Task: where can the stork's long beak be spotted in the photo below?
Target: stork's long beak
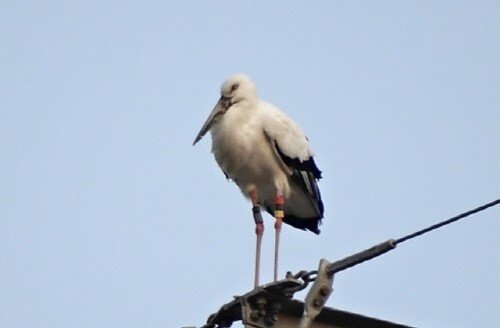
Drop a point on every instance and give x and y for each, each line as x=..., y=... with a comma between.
x=220, y=108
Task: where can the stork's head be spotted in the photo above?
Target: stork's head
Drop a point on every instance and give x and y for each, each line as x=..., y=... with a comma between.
x=236, y=89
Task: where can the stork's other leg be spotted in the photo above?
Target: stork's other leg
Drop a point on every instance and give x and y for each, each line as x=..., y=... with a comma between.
x=279, y=214
x=259, y=231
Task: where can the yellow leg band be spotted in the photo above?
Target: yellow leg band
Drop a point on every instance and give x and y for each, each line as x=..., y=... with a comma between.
x=279, y=214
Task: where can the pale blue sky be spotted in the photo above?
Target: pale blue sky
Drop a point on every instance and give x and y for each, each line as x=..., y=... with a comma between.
x=109, y=218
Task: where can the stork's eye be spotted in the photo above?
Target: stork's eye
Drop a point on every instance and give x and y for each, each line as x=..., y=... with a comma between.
x=234, y=87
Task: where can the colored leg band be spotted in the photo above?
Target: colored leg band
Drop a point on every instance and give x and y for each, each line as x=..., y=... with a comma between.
x=278, y=207
x=257, y=216
x=279, y=213
x=279, y=200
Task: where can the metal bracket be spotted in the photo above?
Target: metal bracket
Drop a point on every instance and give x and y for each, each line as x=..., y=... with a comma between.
x=322, y=287
x=260, y=307
x=317, y=295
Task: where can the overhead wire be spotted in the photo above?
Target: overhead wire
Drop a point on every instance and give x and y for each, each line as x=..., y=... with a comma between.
x=446, y=222
x=389, y=245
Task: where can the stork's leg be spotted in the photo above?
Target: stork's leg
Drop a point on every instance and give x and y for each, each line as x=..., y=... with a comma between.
x=259, y=231
x=279, y=214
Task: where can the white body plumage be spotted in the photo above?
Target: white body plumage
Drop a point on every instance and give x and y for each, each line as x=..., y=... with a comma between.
x=260, y=148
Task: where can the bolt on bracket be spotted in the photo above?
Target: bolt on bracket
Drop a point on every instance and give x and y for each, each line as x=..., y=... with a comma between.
x=317, y=295
x=260, y=307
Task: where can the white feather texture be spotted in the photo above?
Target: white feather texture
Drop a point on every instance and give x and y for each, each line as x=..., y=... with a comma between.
x=254, y=143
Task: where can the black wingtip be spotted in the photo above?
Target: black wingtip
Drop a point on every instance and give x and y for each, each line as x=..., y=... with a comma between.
x=310, y=224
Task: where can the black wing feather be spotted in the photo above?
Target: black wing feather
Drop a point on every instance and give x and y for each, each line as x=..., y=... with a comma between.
x=305, y=174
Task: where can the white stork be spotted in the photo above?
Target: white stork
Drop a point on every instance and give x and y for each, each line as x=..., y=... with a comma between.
x=268, y=156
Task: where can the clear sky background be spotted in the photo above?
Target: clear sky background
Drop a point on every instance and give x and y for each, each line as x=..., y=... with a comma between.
x=110, y=218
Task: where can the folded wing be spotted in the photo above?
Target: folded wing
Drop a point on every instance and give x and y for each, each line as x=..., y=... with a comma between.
x=304, y=209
